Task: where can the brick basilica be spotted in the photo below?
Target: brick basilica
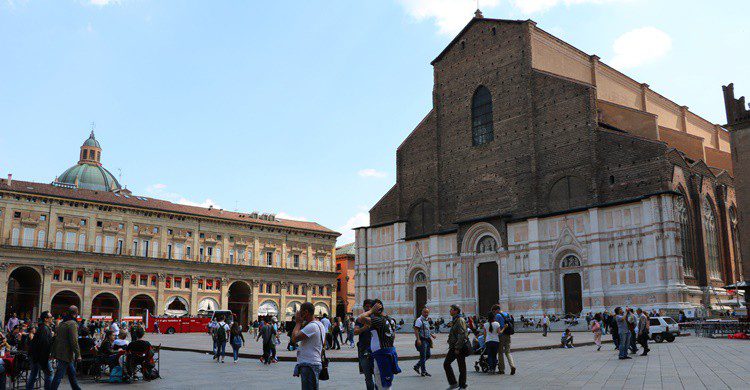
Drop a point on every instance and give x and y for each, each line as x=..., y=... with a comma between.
x=84, y=240
x=550, y=182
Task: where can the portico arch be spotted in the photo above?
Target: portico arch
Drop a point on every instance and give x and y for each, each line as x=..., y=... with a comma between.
x=105, y=304
x=177, y=306
x=473, y=236
x=140, y=304
x=24, y=293
x=239, y=301
x=63, y=300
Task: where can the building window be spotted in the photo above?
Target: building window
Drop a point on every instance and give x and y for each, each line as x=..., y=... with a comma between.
x=68, y=276
x=83, y=222
x=338, y=285
x=735, y=237
x=269, y=258
x=79, y=276
x=99, y=224
x=60, y=219
x=133, y=279
x=42, y=217
x=96, y=277
x=421, y=219
x=56, y=276
x=686, y=236
x=153, y=281
x=107, y=278
x=268, y=288
x=118, y=279
x=481, y=117
x=296, y=261
x=144, y=280
x=486, y=244
x=295, y=288
x=712, y=240
x=169, y=251
x=17, y=214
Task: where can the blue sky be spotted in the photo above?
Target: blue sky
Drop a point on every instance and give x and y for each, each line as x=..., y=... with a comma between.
x=297, y=107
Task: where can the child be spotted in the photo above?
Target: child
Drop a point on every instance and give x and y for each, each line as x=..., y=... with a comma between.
x=567, y=339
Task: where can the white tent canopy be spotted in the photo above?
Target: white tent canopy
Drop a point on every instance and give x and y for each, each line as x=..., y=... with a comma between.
x=268, y=308
x=292, y=309
x=320, y=309
x=208, y=304
x=177, y=309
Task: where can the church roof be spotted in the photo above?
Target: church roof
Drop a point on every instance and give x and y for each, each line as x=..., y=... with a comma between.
x=347, y=249
x=89, y=176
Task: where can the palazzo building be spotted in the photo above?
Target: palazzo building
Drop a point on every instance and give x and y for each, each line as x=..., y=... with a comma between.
x=84, y=240
x=345, y=282
x=547, y=181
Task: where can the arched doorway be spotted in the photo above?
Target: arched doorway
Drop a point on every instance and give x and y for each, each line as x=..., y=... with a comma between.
x=105, y=304
x=573, y=297
x=176, y=306
x=239, y=302
x=268, y=309
x=420, y=292
x=140, y=304
x=488, y=288
x=24, y=290
x=62, y=301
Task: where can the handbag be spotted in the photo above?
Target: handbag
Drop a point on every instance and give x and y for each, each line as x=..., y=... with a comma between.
x=323, y=360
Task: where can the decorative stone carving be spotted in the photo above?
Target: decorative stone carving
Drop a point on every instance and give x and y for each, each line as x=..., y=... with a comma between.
x=47, y=268
x=161, y=276
x=88, y=271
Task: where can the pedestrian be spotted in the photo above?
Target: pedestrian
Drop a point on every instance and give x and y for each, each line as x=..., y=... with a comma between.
x=458, y=349
x=65, y=349
x=156, y=327
x=256, y=325
x=491, y=341
x=335, y=334
x=545, y=325
x=350, y=332
x=566, y=340
x=342, y=329
x=596, y=329
x=423, y=342
x=220, y=335
x=309, y=333
x=236, y=339
x=614, y=330
x=13, y=321
x=632, y=323
x=211, y=332
x=115, y=328
x=364, y=354
x=589, y=317
x=623, y=332
x=267, y=334
x=507, y=328
x=643, y=325
x=327, y=324
x=39, y=351
x=383, y=334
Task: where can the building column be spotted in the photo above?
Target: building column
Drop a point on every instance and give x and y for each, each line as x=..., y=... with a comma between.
x=256, y=252
x=284, y=286
x=310, y=259
x=334, y=304
x=45, y=297
x=125, y=294
x=86, y=301
x=224, y=293
x=3, y=289
x=128, y=246
x=254, y=298
x=308, y=292
x=194, y=295
x=644, y=96
x=161, y=298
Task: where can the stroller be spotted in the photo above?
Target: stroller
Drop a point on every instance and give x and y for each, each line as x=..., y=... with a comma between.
x=481, y=365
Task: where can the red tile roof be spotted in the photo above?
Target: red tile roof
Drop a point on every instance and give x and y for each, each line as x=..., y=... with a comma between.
x=152, y=204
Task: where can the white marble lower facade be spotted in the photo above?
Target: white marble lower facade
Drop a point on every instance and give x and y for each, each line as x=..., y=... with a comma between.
x=628, y=254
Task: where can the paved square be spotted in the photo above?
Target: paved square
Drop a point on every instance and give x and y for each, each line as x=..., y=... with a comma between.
x=688, y=363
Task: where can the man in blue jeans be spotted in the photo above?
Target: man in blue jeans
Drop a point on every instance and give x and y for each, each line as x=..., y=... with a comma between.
x=623, y=331
x=39, y=351
x=309, y=333
x=423, y=341
x=65, y=349
x=366, y=364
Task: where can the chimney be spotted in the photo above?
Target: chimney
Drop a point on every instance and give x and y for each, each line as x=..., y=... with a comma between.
x=10, y=179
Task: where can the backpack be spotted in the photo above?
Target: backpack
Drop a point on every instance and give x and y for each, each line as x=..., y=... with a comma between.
x=511, y=326
x=115, y=376
x=221, y=334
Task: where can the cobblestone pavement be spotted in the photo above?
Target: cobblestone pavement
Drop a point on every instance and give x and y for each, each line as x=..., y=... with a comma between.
x=689, y=362
x=404, y=343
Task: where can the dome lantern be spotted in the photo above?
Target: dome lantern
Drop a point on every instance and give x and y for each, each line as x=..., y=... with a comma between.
x=91, y=151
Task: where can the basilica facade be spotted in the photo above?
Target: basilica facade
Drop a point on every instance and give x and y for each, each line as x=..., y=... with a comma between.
x=85, y=240
x=549, y=182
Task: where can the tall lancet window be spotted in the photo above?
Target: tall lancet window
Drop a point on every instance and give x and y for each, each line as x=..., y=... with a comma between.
x=481, y=117
x=686, y=236
x=712, y=240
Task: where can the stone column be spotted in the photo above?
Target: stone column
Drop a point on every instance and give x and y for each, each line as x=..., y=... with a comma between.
x=3, y=289
x=87, y=301
x=46, y=293
x=308, y=292
x=282, y=300
x=6, y=229
x=163, y=242
x=128, y=247
x=125, y=300
x=161, y=298
x=224, y=293
x=284, y=254
x=224, y=249
x=254, y=299
x=309, y=261
x=194, y=251
x=194, y=295
x=644, y=96
x=333, y=300
x=256, y=251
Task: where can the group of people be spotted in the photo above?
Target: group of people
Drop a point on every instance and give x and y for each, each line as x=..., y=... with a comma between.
x=628, y=327
x=55, y=347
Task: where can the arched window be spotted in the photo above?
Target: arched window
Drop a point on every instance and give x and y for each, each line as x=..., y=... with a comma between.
x=40, y=239
x=481, y=117
x=570, y=261
x=686, y=236
x=712, y=240
x=486, y=244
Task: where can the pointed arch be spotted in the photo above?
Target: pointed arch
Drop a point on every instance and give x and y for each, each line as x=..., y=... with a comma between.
x=482, y=130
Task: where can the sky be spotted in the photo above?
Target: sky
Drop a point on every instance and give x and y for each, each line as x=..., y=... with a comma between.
x=297, y=107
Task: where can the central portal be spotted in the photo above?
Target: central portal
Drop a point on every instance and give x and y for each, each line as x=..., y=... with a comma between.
x=487, y=287
x=420, y=301
x=573, y=297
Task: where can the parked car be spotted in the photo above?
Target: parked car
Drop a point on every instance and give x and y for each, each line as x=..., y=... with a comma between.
x=663, y=328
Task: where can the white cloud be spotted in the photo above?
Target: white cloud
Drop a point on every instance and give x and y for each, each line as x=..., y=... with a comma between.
x=160, y=191
x=451, y=16
x=640, y=46
x=103, y=3
x=360, y=219
x=369, y=172
x=284, y=215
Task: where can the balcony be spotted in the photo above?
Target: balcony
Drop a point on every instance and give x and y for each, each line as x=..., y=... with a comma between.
x=110, y=229
x=29, y=221
x=71, y=225
x=147, y=233
x=243, y=242
x=210, y=240
x=179, y=237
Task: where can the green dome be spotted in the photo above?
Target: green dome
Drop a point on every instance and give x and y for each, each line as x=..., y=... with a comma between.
x=91, y=141
x=89, y=176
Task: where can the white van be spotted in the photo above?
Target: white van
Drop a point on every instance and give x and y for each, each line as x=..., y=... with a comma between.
x=663, y=328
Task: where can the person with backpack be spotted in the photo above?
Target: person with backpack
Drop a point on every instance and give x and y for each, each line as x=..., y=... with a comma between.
x=236, y=339
x=491, y=341
x=507, y=329
x=220, y=335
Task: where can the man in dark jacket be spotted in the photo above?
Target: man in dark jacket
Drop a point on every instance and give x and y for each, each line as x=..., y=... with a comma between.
x=65, y=349
x=39, y=352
